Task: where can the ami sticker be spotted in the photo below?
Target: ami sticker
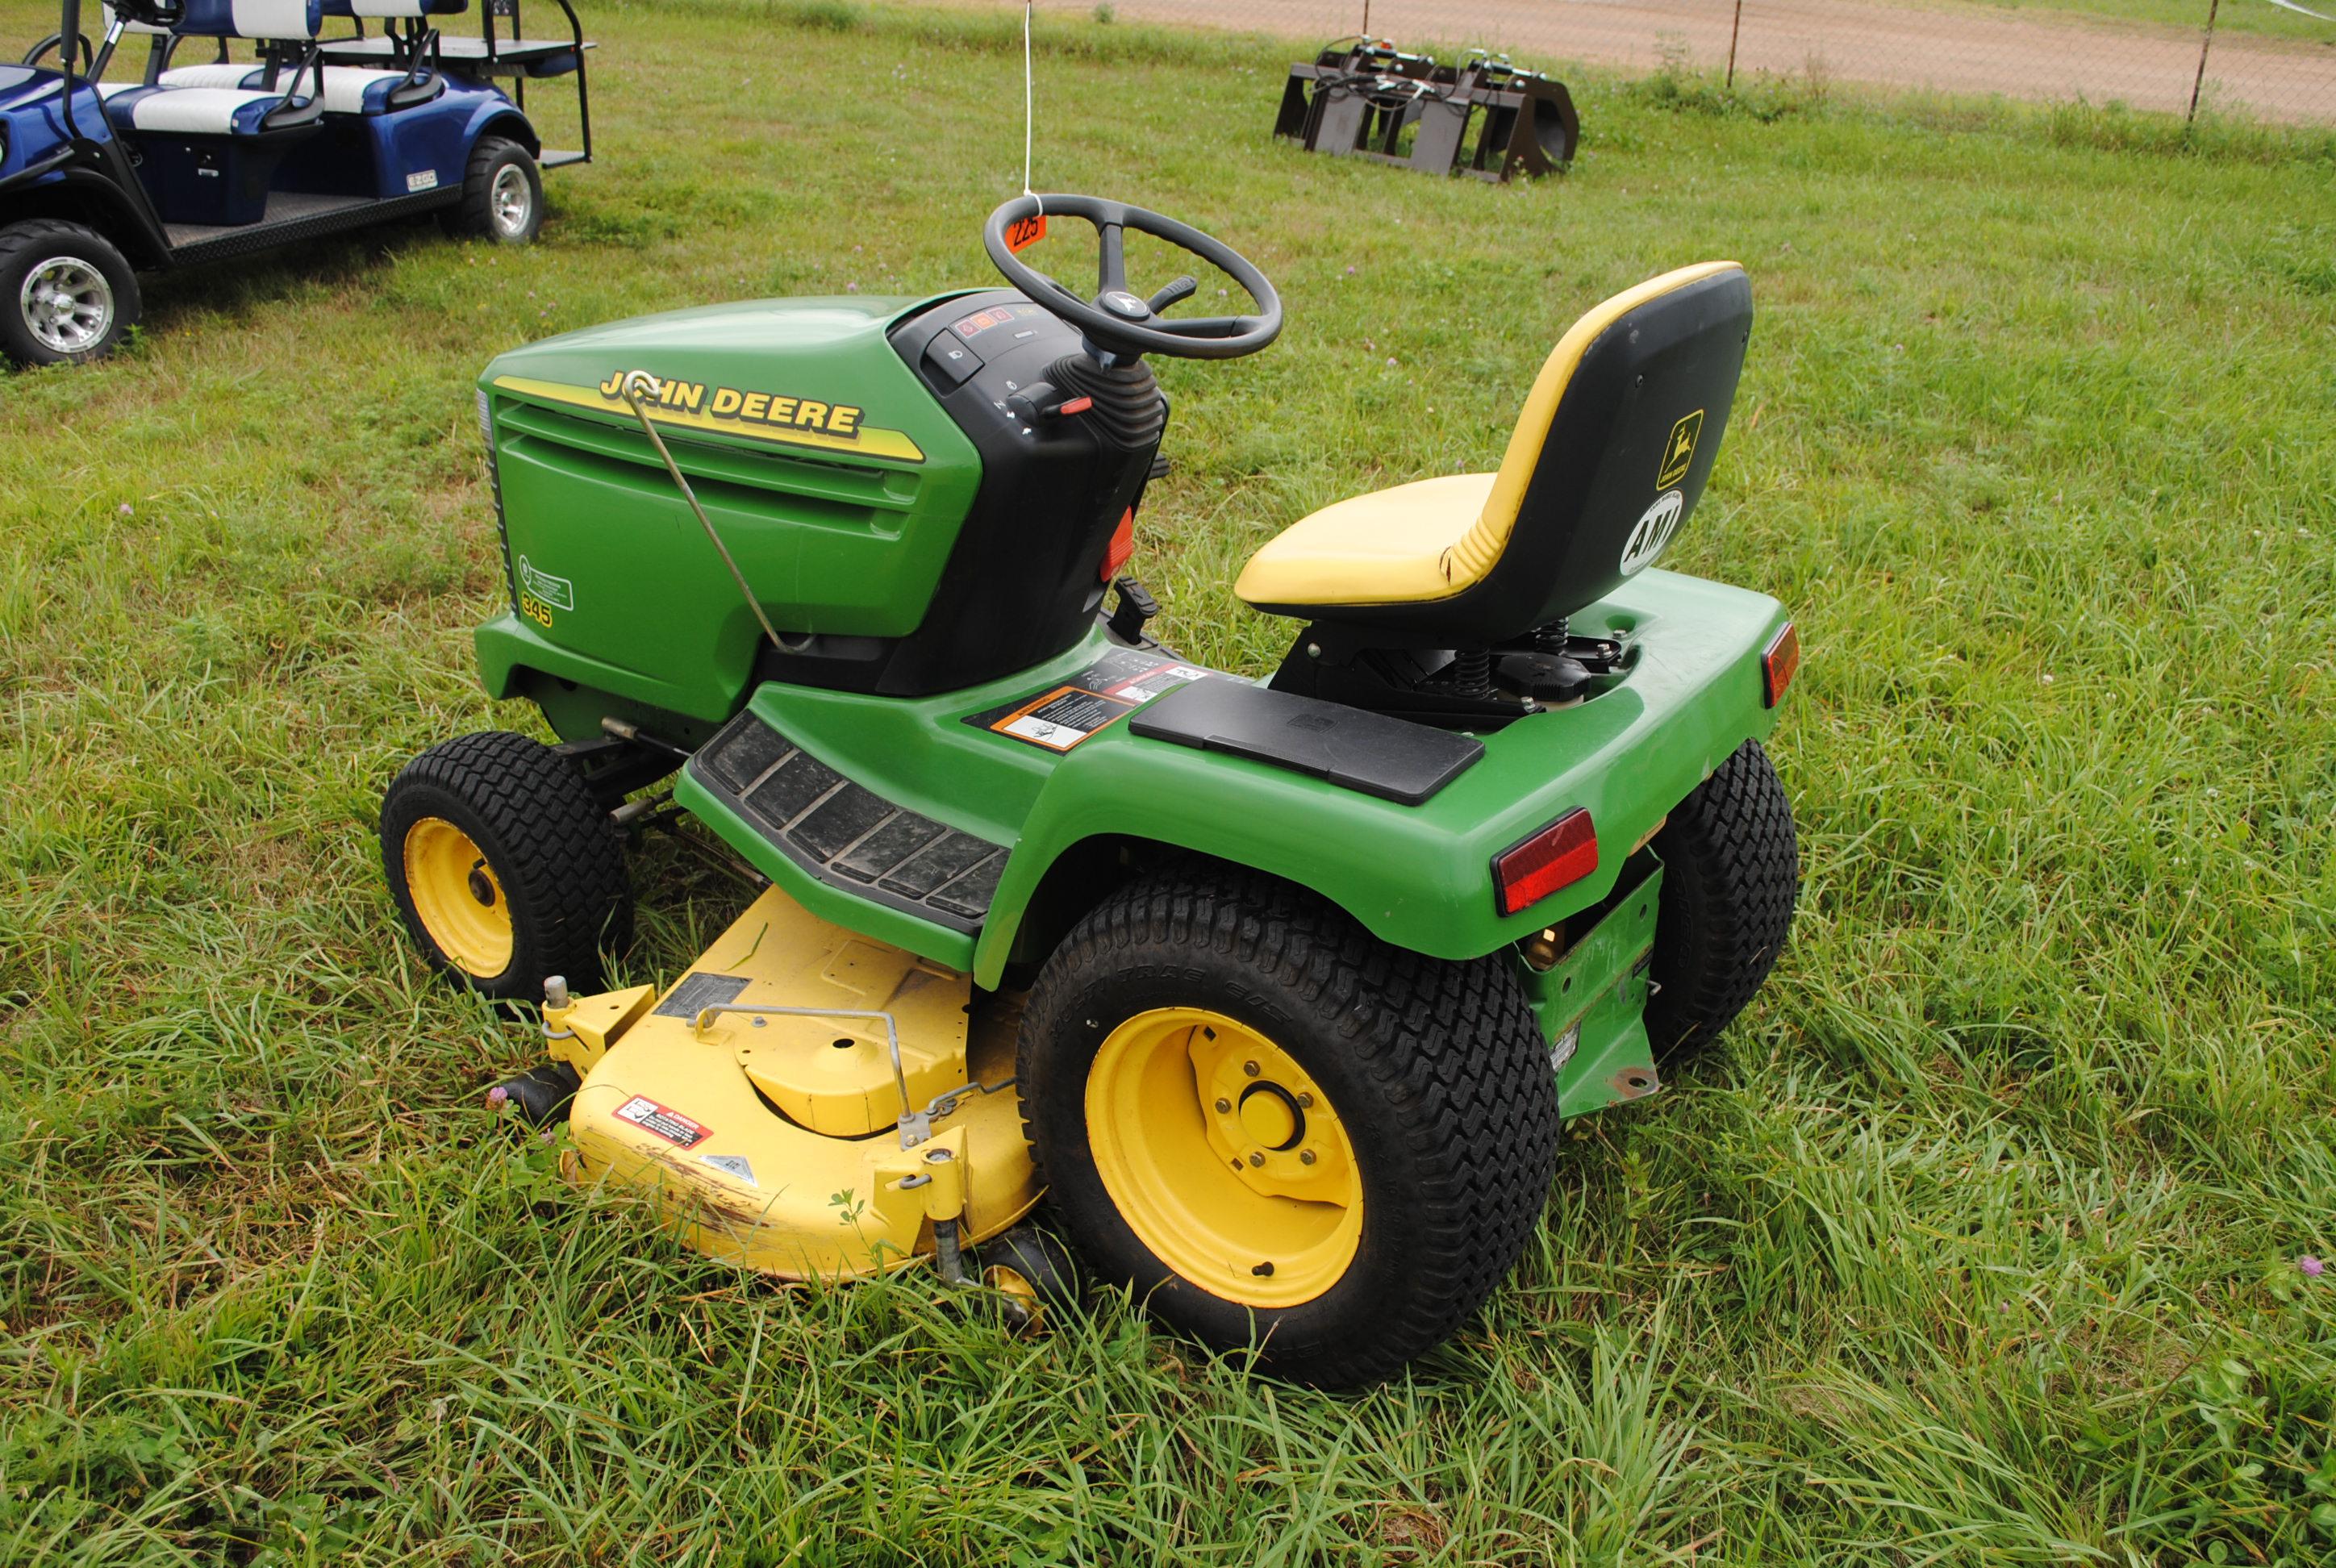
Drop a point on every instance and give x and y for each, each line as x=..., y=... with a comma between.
x=667, y=1124
x=1119, y=682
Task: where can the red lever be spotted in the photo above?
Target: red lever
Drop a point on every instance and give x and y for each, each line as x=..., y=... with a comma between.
x=1121, y=545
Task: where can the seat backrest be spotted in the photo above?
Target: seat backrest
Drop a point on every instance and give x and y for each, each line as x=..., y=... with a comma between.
x=395, y=10
x=251, y=18
x=1611, y=452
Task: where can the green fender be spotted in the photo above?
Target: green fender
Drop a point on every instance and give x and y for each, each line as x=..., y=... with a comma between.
x=1420, y=877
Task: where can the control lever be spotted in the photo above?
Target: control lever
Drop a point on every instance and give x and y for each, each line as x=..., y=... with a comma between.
x=1136, y=605
x=1176, y=293
x=1044, y=400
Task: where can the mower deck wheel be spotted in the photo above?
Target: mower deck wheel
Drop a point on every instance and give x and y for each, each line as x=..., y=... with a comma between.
x=1276, y=1130
x=1731, y=872
x=1031, y=1275
x=506, y=868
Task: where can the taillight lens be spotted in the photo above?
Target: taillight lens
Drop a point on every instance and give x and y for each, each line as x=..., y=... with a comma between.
x=1779, y=664
x=1121, y=545
x=1558, y=856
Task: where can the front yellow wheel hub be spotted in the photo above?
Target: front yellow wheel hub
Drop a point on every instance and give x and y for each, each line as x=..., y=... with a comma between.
x=458, y=896
x=1224, y=1156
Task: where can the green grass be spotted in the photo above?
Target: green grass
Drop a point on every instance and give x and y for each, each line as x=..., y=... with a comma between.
x=2256, y=17
x=1972, y=1243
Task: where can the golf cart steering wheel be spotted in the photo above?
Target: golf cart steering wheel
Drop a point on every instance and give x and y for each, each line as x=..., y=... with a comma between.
x=1122, y=321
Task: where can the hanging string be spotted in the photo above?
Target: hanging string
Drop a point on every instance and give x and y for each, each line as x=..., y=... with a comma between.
x=1028, y=116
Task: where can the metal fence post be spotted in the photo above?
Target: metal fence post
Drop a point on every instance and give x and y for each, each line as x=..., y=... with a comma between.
x=2204, y=44
x=1735, y=28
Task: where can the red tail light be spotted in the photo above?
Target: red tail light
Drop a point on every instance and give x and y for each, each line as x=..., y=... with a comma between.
x=1121, y=545
x=1779, y=665
x=1558, y=856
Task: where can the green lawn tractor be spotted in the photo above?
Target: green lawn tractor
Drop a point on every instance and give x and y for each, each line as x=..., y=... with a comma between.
x=1276, y=990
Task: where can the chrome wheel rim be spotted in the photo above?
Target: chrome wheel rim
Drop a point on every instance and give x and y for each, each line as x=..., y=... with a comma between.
x=67, y=305
x=509, y=200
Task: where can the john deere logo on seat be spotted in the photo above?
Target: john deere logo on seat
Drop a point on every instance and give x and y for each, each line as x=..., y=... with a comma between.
x=1678, y=452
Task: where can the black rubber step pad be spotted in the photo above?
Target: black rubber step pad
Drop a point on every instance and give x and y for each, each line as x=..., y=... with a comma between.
x=847, y=834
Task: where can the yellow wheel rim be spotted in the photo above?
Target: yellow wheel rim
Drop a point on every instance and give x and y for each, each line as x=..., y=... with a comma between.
x=1224, y=1156
x=459, y=897
x=1016, y=1288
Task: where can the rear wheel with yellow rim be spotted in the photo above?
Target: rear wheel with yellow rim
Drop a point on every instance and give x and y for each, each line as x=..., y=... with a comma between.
x=505, y=867
x=1278, y=1130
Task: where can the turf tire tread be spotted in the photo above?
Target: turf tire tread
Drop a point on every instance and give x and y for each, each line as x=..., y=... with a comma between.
x=1731, y=873
x=1453, y=1045
x=549, y=841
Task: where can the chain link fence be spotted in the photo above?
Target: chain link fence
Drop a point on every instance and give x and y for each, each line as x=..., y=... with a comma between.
x=2270, y=60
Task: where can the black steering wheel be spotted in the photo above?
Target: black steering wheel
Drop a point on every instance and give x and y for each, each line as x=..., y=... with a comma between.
x=1122, y=321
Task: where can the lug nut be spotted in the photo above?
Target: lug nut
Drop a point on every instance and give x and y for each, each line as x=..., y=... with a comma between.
x=1305, y=1156
x=1255, y=1159
x=1224, y=1104
x=1249, y=1068
x=1306, y=1102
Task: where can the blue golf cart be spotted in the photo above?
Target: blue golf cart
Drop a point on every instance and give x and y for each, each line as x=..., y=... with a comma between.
x=187, y=161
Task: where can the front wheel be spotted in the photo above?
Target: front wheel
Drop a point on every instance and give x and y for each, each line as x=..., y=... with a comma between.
x=503, y=194
x=505, y=867
x=67, y=295
x=1276, y=1129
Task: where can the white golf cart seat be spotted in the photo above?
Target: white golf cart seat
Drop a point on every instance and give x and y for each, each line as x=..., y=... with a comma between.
x=218, y=108
x=348, y=89
x=185, y=110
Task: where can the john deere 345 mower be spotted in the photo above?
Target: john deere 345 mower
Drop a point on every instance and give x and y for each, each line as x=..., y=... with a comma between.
x=1278, y=988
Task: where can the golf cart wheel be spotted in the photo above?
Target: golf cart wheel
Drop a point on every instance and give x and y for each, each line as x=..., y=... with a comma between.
x=506, y=868
x=1031, y=1275
x=1731, y=871
x=503, y=194
x=1276, y=1129
x=67, y=295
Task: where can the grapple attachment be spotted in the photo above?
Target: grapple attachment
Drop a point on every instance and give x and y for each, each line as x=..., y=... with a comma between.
x=1483, y=117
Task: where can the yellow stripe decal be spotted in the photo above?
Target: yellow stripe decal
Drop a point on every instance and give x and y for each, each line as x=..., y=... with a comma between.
x=867, y=440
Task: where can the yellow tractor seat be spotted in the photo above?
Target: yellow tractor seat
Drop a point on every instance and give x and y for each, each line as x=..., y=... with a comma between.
x=1609, y=456
x=1388, y=547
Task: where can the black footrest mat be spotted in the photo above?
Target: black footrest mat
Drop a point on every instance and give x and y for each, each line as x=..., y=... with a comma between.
x=845, y=834
x=1353, y=747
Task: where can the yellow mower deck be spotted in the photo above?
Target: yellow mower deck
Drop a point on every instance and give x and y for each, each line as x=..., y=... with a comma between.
x=776, y=1141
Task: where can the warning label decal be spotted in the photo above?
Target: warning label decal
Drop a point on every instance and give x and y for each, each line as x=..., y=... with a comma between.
x=1063, y=717
x=669, y=1125
x=1120, y=682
